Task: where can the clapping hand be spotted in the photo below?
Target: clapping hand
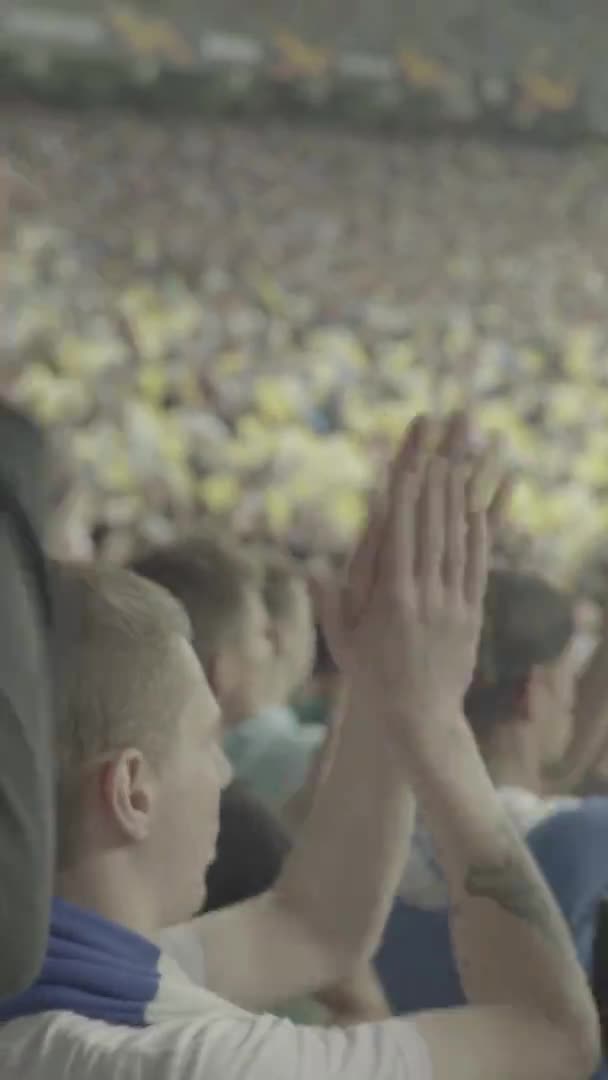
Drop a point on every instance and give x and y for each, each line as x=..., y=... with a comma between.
x=405, y=624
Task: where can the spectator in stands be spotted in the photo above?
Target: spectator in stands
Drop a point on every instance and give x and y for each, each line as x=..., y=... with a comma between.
x=251, y=847
x=140, y=765
x=270, y=752
x=255, y=641
x=584, y=768
x=520, y=707
x=220, y=584
x=289, y=607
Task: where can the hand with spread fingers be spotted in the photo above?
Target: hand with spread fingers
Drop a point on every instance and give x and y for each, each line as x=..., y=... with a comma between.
x=409, y=614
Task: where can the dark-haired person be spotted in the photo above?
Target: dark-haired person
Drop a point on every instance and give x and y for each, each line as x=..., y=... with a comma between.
x=520, y=708
x=251, y=847
x=584, y=768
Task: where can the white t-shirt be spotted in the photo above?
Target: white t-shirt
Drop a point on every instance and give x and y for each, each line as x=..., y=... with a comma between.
x=64, y=1046
x=213, y=1041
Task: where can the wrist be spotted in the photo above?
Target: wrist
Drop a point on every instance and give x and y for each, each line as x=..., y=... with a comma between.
x=439, y=751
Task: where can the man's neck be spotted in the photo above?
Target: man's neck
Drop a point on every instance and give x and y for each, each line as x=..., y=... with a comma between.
x=96, y=886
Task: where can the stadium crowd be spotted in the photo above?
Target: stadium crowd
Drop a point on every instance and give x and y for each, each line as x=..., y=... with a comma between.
x=303, y=760
x=240, y=322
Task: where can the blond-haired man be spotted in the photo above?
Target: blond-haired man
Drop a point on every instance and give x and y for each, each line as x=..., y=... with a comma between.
x=110, y=1004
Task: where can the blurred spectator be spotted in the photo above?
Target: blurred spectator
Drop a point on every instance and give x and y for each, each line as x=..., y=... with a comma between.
x=520, y=707
x=220, y=588
x=253, y=635
x=251, y=847
x=287, y=600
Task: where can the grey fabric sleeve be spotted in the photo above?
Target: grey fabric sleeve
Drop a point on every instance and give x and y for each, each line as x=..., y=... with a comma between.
x=26, y=713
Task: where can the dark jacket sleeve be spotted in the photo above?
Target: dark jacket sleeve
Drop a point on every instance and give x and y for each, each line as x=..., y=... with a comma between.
x=251, y=848
x=26, y=770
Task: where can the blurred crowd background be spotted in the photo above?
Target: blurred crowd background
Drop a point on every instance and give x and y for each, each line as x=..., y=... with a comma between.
x=234, y=319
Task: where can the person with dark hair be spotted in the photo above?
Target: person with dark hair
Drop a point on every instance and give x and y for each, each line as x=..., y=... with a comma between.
x=520, y=703
x=519, y=706
x=251, y=847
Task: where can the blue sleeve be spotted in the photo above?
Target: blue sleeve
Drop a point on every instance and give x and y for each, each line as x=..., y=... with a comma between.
x=571, y=849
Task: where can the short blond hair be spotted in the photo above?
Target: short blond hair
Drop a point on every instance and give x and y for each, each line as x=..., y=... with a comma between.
x=117, y=685
x=212, y=576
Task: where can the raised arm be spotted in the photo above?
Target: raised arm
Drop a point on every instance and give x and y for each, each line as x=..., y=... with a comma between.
x=530, y=1015
x=323, y=920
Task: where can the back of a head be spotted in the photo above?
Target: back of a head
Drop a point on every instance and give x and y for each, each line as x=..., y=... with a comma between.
x=527, y=623
x=118, y=686
x=211, y=576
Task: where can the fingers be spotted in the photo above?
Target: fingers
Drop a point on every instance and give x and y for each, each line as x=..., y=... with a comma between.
x=420, y=440
x=477, y=556
x=400, y=549
x=456, y=442
x=456, y=530
x=361, y=571
x=435, y=532
x=431, y=525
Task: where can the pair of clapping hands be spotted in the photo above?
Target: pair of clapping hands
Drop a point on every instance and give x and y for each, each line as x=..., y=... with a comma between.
x=407, y=616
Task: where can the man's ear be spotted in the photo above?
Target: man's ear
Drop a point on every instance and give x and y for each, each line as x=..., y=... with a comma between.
x=128, y=792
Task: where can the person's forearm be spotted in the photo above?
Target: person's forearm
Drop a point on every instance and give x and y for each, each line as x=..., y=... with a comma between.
x=511, y=943
x=344, y=870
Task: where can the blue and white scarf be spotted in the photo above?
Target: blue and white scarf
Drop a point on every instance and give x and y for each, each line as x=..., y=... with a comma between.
x=103, y=971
